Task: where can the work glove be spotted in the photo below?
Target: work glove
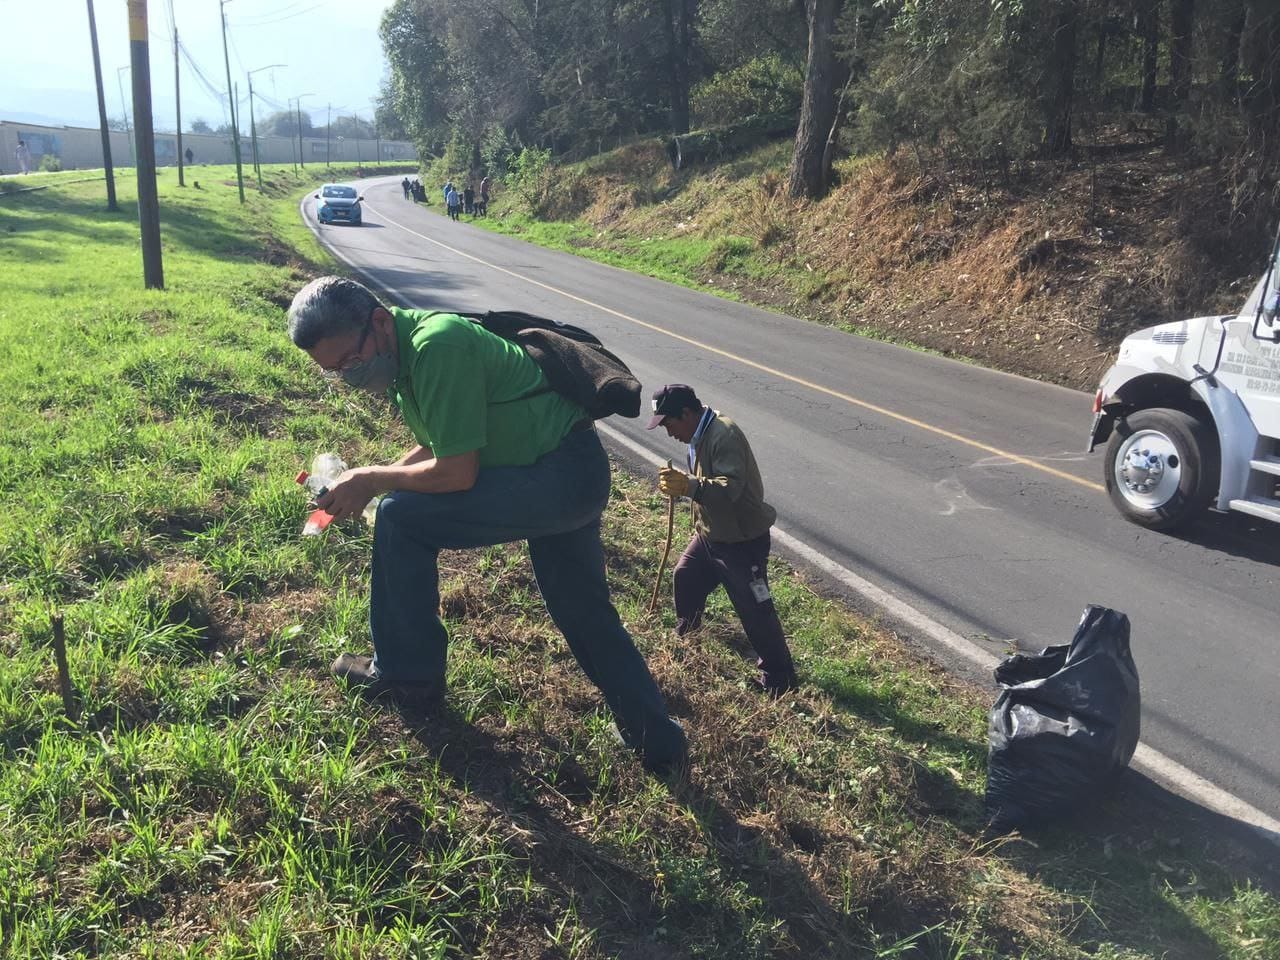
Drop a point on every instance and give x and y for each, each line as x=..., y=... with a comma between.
x=673, y=483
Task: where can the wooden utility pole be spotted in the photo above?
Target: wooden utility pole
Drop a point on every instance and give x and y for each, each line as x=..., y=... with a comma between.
x=236, y=124
x=124, y=108
x=297, y=102
x=231, y=93
x=102, y=112
x=253, y=134
x=177, y=98
x=328, y=126
x=253, y=127
x=145, y=147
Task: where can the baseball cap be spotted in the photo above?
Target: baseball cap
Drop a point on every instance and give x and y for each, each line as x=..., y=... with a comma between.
x=671, y=401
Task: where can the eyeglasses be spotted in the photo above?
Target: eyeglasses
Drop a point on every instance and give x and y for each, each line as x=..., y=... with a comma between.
x=353, y=359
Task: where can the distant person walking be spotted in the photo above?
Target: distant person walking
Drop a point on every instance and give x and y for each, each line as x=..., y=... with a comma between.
x=406, y=186
x=453, y=202
x=448, y=185
x=23, y=156
x=469, y=200
x=190, y=156
x=484, y=196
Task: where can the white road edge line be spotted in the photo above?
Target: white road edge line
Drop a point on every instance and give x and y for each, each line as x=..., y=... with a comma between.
x=1163, y=769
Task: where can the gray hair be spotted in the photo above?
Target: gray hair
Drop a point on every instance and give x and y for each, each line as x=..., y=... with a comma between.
x=328, y=307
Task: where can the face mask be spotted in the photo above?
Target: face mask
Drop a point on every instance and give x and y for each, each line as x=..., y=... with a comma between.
x=374, y=375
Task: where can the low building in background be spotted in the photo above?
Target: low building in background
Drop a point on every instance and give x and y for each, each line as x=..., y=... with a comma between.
x=76, y=148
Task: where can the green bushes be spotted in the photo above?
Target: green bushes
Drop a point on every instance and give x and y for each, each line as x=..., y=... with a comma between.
x=728, y=253
x=50, y=163
x=764, y=85
x=968, y=102
x=531, y=177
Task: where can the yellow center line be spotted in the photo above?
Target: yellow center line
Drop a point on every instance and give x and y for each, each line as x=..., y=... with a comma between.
x=764, y=368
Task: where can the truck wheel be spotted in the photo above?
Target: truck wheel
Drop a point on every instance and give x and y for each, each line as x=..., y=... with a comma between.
x=1162, y=467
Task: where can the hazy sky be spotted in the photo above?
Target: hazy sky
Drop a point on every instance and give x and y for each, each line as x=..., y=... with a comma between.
x=331, y=49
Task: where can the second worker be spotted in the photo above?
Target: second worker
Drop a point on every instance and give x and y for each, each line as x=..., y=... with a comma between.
x=731, y=520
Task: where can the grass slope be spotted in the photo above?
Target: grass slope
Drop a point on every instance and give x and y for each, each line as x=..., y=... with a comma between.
x=220, y=797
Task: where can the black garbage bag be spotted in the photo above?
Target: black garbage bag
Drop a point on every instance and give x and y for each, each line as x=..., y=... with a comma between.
x=1064, y=726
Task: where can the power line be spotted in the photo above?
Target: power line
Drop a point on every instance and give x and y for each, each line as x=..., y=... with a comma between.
x=195, y=67
x=266, y=23
x=270, y=102
x=210, y=88
x=268, y=14
x=234, y=50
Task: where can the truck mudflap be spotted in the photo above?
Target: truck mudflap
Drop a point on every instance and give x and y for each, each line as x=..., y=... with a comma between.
x=1100, y=429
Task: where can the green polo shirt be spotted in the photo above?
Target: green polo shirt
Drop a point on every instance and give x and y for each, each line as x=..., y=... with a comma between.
x=461, y=388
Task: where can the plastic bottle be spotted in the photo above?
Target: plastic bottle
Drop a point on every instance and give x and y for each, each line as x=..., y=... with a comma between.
x=326, y=468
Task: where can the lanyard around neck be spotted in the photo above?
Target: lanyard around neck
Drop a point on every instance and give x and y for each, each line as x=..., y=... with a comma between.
x=707, y=416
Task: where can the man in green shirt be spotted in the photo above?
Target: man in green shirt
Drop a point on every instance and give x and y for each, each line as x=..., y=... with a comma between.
x=500, y=457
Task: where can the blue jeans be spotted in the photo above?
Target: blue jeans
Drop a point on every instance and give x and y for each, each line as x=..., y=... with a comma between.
x=556, y=505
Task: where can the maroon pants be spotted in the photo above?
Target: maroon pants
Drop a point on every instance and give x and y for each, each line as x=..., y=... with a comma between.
x=705, y=565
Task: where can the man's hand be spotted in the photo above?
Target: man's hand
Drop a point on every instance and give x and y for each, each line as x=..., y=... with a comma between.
x=349, y=494
x=673, y=483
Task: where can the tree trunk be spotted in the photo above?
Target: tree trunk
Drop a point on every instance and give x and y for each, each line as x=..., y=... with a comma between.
x=1181, y=20
x=1260, y=58
x=1060, y=78
x=1099, y=61
x=1149, y=28
x=833, y=136
x=1229, y=62
x=676, y=17
x=817, y=112
x=684, y=36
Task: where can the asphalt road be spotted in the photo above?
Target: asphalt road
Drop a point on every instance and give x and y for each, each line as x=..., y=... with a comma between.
x=961, y=490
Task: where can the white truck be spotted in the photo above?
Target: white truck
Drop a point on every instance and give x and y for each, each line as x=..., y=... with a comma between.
x=1190, y=413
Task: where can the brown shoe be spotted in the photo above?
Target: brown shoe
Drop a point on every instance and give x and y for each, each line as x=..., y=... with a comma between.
x=359, y=673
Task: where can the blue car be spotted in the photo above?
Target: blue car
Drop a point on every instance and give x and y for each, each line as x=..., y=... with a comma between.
x=339, y=203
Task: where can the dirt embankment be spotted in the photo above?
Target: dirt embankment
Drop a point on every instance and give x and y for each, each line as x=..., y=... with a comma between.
x=1041, y=271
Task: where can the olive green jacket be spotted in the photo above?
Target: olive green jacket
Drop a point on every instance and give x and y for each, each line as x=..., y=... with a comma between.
x=726, y=491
